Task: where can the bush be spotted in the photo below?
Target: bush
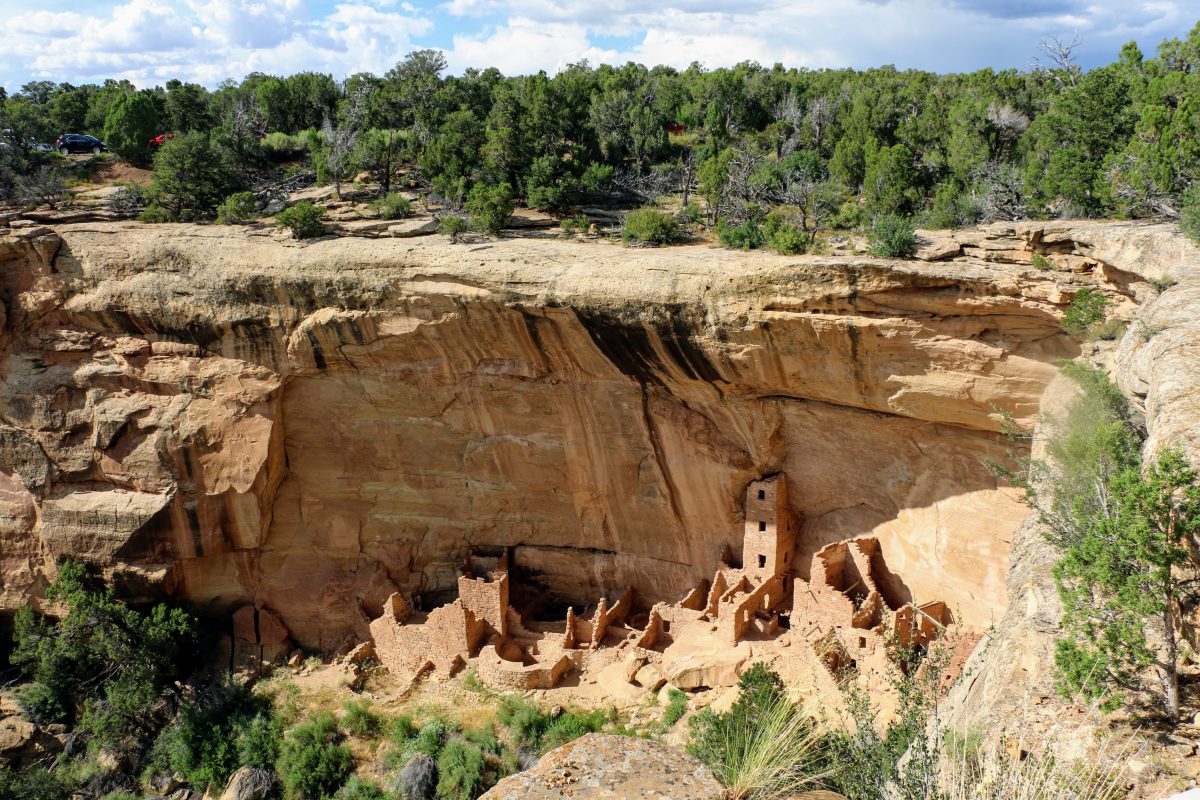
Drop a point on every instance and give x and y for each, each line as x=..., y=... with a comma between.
x=1089, y=307
x=577, y=224
x=303, y=219
x=127, y=201
x=746, y=236
x=154, y=214
x=534, y=729
x=650, y=226
x=360, y=720
x=1040, y=263
x=392, y=206
x=283, y=147
x=891, y=236
x=453, y=226
x=191, y=176
x=1189, y=212
x=764, y=747
x=43, y=186
x=34, y=783
x=238, y=209
x=676, y=707
x=360, y=789
x=783, y=235
x=313, y=763
x=597, y=176
x=490, y=205
x=104, y=665
x=460, y=767
x=258, y=741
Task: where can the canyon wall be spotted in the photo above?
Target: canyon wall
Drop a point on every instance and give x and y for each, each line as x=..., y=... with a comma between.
x=220, y=416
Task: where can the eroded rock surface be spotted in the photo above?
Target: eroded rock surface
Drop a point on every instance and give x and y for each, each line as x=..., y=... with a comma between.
x=599, y=766
x=308, y=428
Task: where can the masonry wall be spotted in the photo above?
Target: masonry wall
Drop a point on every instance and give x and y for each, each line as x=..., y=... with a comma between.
x=770, y=538
x=487, y=599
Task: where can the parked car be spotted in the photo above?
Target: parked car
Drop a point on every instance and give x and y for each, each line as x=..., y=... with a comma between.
x=79, y=143
x=157, y=141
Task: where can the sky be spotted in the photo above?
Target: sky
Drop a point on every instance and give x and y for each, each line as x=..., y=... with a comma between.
x=207, y=41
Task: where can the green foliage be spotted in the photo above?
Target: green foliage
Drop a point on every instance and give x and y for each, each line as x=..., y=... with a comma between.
x=676, y=707
x=490, y=206
x=783, y=234
x=892, y=183
x=103, y=666
x=360, y=720
x=1123, y=531
x=131, y=121
x=313, y=762
x=460, y=766
x=258, y=740
x=31, y=784
x=191, y=176
x=576, y=224
x=765, y=746
x=392, y=206
x=238, y=209
x=1189, y=213
x=303, y=219
x=1089, y=307
x=154, y=214
x=204, y=744
x=539, y=731
x=650, y=226
x=453, y=226
x=747, y=235
x=891, y=236
x=284, y=147
x=1040, y=263
x=361, y=789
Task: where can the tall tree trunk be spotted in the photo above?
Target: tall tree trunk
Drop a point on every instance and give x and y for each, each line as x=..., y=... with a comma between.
x=1170, y=677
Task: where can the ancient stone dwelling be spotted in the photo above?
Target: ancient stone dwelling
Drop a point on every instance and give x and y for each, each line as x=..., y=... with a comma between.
x=848, y=611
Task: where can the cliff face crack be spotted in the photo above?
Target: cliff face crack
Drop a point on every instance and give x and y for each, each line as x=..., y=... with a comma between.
x=660, y=460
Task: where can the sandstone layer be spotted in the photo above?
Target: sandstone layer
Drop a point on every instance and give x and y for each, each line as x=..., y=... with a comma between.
x=213, y=414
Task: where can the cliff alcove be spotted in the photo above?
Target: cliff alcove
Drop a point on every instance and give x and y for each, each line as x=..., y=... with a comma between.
x=215, y=415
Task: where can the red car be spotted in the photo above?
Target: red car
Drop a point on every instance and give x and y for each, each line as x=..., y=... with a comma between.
x=158, y=140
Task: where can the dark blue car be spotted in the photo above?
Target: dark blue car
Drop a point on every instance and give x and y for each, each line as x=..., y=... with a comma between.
x=79, y=143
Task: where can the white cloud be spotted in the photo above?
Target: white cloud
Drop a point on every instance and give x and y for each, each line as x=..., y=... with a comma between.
x=524, y=46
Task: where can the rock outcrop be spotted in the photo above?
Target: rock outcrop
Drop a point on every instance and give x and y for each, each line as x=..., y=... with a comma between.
x=599, y=766
x=308, y=428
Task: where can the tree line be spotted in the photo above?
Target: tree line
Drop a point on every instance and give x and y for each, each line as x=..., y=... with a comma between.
x=835, y=148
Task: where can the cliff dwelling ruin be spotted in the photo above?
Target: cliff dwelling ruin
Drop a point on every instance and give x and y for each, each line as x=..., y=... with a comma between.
x=849, y=612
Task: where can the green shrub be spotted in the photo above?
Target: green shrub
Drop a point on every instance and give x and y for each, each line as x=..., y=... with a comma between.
x=597, y=176
x=392, y=206
x=1040, y=262
x=154, y=214
x=891, y=236
x=746, y=236
x=104, y=665
x=360, y=789
x=1189, y=212
x=429, y=739
x=120, y=796
x=1160, y=285
x=650, y=226
x=533, y=729
x=691, y=214
x=191, y=176
x=34, y=783
x=258, y=740
x=490, y=205
x=453, y=226
x=238, y=209
x=303, y=219
x=460, y=767
x=313, y=763
x=360, y=720
x=783, y=235
x=577, y=224
x=764, y=747
x=676, y=707
x=284, y=147
x=402, y=730
x=127, y=201
x=1089, y=307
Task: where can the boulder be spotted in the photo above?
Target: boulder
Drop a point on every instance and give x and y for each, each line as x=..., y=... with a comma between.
x=603, y=766
x=413, y=227
x=249, y=783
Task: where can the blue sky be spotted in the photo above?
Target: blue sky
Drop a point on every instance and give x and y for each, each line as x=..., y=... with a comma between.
x=149, y=41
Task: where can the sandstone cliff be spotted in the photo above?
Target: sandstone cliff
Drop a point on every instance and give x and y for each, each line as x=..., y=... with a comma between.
x=215, y=414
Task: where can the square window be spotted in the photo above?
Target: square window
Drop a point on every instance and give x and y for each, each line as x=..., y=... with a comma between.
x=762, y=494
x=762, y=526
x=862, y=642
x=762, y=561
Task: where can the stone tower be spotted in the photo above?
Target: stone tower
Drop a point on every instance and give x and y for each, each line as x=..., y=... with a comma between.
x=770, y=536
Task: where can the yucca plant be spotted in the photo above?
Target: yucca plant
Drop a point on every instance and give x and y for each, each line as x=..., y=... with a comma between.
x=776, y=754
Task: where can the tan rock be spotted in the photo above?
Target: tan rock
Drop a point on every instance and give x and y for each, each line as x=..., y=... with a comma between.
x=599, y=766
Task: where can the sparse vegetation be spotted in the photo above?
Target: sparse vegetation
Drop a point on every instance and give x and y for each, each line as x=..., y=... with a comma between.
x=1088, y=308
x=392, y=206
x=313, y=761
x=238, y=209
x=490, y=206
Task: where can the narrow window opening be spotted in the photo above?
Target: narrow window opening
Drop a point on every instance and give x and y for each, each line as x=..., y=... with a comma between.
x=762, y=561
x=762, y=494
x=762, y=526
x=862, y=642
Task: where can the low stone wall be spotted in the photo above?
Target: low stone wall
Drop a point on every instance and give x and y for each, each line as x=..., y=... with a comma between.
x=497, y=673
